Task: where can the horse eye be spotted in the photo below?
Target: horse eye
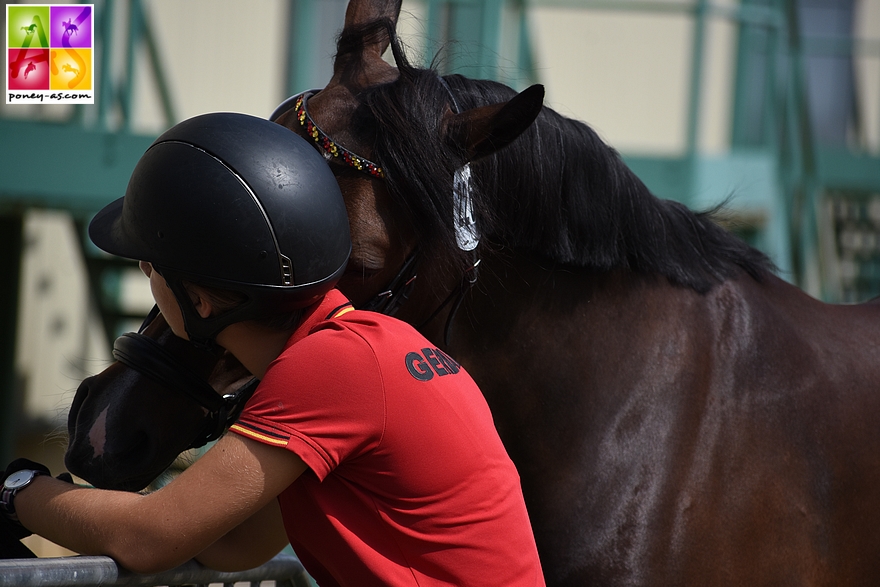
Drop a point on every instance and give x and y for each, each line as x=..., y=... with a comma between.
x=361, y=270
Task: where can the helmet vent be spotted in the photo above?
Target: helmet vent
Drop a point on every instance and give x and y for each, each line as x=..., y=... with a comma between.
x=286, y=271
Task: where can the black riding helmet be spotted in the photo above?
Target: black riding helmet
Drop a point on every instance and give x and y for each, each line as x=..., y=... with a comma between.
x=235, y=202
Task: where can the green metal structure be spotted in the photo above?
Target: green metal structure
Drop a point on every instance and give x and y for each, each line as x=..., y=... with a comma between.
x=810, y=200
x=82, y=163
x=78, y=164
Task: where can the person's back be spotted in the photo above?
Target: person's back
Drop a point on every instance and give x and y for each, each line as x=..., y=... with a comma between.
x=409, y=482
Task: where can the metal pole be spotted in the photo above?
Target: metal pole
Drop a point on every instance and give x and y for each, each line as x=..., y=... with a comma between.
x=83, y=571
x=302, y=19
x=156, y=63
x=696, y=85
x=106, y=97
x=490, y=41
x=806, y=191
x=135, y=29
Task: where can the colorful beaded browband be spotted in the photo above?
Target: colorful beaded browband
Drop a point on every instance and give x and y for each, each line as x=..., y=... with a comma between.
x=329, y=145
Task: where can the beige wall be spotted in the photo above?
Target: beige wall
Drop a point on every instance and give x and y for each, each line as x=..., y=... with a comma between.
x=213, y=63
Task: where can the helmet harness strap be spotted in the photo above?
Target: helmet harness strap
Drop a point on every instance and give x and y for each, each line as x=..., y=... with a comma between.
x=203, y=332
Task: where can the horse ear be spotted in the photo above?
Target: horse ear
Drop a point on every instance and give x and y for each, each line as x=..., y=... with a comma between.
x=365, y=66
x=482, y=131
x=361, y=12
x=358, y=63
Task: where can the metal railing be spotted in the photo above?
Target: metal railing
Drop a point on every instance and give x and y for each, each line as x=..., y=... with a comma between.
x=85, y=571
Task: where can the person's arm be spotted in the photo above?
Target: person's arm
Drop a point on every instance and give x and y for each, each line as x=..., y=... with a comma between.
x=233, y=482
x=250, y=544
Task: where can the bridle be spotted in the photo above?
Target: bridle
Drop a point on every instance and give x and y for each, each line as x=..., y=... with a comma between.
x=390, y=299
x=146, y=356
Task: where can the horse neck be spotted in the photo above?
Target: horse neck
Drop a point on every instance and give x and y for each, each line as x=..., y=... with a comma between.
x=534, y=332
x=560, y=192
x=517, y=291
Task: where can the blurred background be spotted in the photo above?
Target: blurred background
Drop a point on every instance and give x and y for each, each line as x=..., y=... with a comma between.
x=774, y=103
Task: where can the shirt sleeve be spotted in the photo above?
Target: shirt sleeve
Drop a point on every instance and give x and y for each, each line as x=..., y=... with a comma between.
x=323, y=399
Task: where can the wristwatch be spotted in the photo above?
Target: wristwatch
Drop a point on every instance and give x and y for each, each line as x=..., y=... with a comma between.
x=13, y=484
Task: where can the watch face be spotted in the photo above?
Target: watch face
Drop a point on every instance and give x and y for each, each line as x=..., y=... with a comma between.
x=18, y=479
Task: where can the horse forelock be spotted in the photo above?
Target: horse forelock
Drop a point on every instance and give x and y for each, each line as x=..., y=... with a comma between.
x=558, y=191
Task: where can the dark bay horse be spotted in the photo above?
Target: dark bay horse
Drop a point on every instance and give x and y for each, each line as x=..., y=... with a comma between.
x=678, y=414
x=161, y=396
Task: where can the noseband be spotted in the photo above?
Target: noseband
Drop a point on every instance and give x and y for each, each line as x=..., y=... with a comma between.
x=146, y=356
x=391, y=298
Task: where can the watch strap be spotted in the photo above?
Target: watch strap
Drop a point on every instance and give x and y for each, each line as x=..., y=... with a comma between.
x=7, y=496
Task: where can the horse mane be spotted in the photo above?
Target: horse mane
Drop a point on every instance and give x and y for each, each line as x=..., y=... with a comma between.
x=557, y=192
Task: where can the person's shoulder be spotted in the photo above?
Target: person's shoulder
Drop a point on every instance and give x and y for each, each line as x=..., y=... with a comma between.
x=370, y=319
x=331, y=357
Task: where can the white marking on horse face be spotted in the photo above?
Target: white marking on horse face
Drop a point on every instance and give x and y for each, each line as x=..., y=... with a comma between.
x=98, y=433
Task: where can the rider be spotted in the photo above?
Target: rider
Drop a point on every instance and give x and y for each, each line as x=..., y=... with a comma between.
x=372, y=452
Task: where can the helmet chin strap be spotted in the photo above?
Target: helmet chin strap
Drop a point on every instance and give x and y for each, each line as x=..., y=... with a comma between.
x=202, y=331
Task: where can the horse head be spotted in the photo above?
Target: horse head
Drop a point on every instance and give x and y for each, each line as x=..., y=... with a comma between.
x=402, y=211
x=127, y=425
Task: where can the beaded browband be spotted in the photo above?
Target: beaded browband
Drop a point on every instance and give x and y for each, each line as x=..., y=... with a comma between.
x=331, y=147
x=466, y=233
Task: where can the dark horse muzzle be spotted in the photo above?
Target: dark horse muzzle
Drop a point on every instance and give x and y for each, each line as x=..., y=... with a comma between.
x=146, y=356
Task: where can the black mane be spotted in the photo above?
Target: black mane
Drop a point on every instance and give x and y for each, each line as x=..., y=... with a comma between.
x=558, y=191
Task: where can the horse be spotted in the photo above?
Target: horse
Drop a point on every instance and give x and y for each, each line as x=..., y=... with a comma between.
x=69, y=27
x=678, y=414
x=158, y=383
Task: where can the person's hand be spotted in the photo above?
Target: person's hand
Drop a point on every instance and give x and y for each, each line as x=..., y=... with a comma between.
x=21, y=464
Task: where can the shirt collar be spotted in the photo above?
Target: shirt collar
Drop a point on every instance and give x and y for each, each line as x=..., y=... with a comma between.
x=331, y=305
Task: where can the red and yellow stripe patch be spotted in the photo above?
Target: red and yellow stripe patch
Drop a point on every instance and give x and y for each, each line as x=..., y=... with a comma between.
x=259, y=434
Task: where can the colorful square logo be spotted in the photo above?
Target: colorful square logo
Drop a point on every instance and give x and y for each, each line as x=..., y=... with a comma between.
x=50, y=53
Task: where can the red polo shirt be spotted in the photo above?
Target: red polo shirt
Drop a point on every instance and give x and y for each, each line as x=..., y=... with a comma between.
x=408, y=482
